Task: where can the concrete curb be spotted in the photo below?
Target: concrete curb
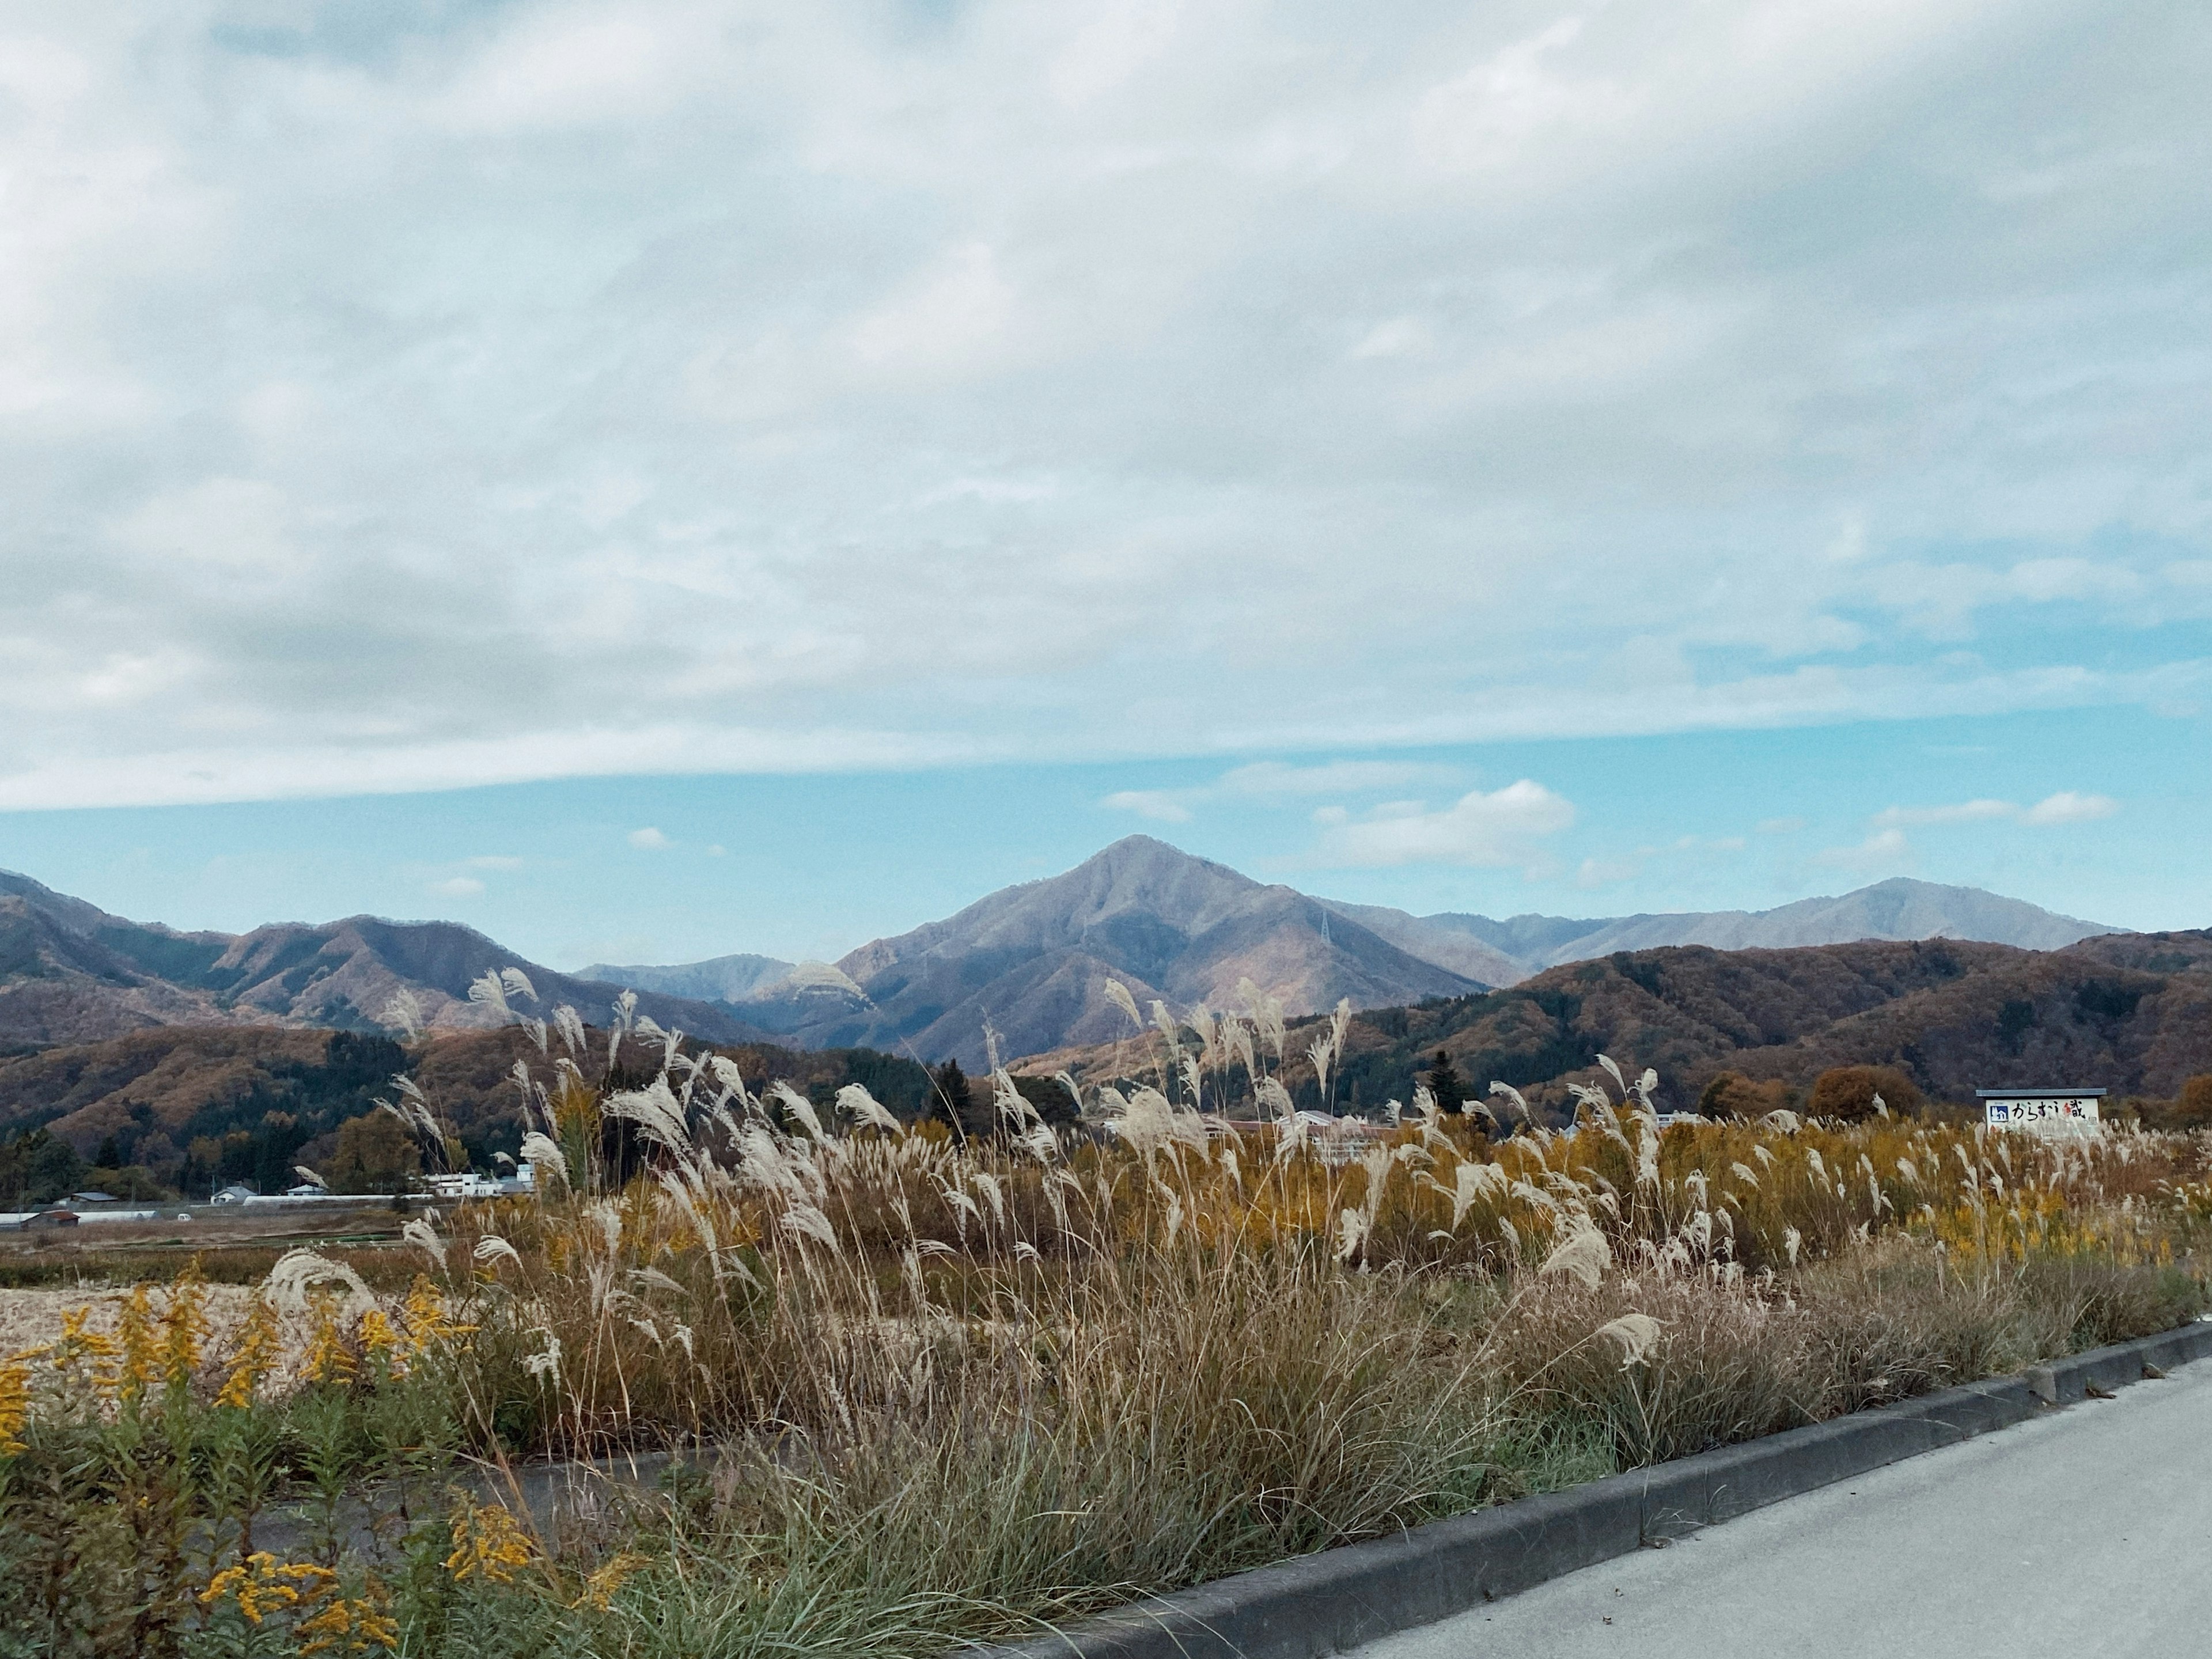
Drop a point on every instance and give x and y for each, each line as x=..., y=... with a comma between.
x=1322, y=1604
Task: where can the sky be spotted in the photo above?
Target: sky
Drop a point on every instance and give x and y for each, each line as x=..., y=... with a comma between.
x=480, y=459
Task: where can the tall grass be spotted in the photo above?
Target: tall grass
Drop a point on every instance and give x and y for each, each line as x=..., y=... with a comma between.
x=933, y=1390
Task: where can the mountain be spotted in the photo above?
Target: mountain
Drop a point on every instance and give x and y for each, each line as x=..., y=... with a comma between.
x=285, y=1089
x=71, y=973
x=1031, y=961
x=1504, y=953
x=1435, y=939
x=2130, y=1012
x=718, y=979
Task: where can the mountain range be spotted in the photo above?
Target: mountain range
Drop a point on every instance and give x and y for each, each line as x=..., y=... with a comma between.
x=71, y=973
x=162, y=1039
x=1506, y=953
x=1026, y=967
x=2130, y=1012
x=1031, y=961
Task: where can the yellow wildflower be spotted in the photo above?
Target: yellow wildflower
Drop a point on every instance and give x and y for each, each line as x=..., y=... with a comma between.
x=255, y=1357
x=14, y=1406
x=380, y=1345
x=329, y=1359
x=184, y=1322
x=488, y=1543
x=427, y=1319
x=599, y=1588
x=263, y=1585
x=136, y=1352
x=76, y=1342
x=349, y=1626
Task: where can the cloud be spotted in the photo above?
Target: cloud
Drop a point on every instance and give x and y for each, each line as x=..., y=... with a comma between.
x=1603, y=872
x=1502, y=830
x=1274, y=779
x=1966, y=812
x=1885, y=849
x=1159, y=804
x=1780, y=826
x=2068, y=807
x=649, y=839
x=949, y=432
x=457, y=887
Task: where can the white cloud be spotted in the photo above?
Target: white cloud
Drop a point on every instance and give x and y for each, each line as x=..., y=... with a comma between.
x=1885, y=849
x=649, y=839
x=1964, y=811
x=1402, y=336
x=1275, y=781
x=1270, y=779
x=1503, y=829
x=1155, y=804
x=1199, y=381
x=457, y=887
x=2068, y=807
x=1603, y=872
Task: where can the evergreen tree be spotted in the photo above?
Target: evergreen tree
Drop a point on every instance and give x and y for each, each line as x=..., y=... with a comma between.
x=38, y=1167
x=951, y=1096
x=1445, y=1084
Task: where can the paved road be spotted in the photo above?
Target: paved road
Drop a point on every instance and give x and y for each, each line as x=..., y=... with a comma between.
x=2087, y=1534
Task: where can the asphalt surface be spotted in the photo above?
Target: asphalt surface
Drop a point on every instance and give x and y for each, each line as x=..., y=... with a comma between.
x=2087, y=1533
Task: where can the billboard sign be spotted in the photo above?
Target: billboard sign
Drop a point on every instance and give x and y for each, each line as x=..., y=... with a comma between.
x=2052, y=1112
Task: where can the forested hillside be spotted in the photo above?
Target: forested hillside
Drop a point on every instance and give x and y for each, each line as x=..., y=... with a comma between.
x=195, y=1105
x=2129, y=1012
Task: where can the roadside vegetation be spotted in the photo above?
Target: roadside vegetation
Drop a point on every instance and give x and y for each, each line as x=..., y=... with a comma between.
x=944, y=1380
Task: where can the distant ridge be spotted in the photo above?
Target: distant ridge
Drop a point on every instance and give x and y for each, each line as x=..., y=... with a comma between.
x=718, y=979
x=1031, y=961
x=2130, y=1012
x=1027, y=964
x=69, y=972
x=1897, y=909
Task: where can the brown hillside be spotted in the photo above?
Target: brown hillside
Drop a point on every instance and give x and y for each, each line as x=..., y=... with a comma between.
x=2131, y=1014
x=157, y=1090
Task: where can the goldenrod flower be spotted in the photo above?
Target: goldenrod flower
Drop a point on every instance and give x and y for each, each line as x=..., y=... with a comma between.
x=263, y=1585
x=256, y=1355
x=380, y=1345
x=184, y=1322
x=427, y=1319
x=349, y=1626
x=599, y=1588
x=14, y=1406
x=488, y=1543
x=76, y=1342
x=137, y=1354
x=328, y=1359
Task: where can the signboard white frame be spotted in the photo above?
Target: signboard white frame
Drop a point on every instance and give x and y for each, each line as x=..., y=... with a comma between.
x=2048, y=1114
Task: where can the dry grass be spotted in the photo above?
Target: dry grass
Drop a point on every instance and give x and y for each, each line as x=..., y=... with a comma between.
x=957, y=1389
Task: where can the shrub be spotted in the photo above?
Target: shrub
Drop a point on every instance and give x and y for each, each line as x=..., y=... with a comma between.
x=2193, y=1111
x=1731, y=1094
x=1847, y=1092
